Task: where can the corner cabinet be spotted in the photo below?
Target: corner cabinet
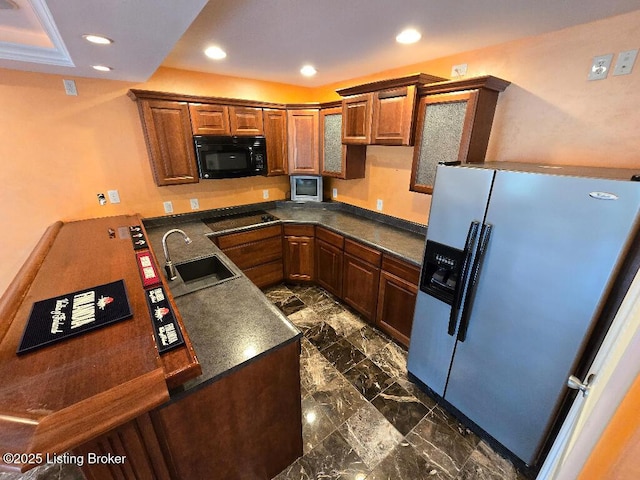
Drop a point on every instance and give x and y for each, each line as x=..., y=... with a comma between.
x=167, y=131
x=454, y=123
x=338, y=160
x=302, y=139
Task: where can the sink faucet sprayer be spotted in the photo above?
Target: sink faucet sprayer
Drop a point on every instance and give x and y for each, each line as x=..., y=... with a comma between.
x=168, y=265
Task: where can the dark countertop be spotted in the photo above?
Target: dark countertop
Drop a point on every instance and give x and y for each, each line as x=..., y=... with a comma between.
x=232, y=323
x=402, y=243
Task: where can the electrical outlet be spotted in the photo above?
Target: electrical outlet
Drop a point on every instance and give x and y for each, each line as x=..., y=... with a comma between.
x=379, y=205
x=113, y=195
x=168, y=207
x=625, y=62
x=334, y=193
x=459, y=70
x=195, y=205
x=265, y=194
x=600, y=67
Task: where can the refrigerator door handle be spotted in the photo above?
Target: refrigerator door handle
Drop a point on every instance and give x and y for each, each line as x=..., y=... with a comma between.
x=462, y=281
x=485, y=234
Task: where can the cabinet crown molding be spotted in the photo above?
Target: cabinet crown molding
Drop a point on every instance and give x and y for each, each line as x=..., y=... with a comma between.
x=136, y=94
x=414, y=79
x=485, y=82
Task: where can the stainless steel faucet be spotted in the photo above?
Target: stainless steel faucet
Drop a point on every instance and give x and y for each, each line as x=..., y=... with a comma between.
x=168, y=265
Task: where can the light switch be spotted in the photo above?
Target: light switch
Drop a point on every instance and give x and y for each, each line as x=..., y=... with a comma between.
x=625, y=62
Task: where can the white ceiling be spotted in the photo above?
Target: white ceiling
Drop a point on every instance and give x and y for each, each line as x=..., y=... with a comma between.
x=271, y=39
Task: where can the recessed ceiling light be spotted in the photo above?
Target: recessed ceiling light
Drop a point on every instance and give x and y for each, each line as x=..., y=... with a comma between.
x=99, y=39
x=102, y=68
x=215, y=53
x=308, y=71
x=409, y=35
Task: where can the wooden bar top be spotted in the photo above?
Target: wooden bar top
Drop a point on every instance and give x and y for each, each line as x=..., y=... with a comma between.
x=57, y=397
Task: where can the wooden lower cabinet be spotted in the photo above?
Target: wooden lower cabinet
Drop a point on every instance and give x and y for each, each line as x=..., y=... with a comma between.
x=397, y=298
x=360, y=285
x=245, y=426
x=299, y=253
x=329, y=260
x=138, y=450
x=258, y=253
x=329, y=267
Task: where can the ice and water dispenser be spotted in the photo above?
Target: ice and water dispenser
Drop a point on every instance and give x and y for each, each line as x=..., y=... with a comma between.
x=441, y=271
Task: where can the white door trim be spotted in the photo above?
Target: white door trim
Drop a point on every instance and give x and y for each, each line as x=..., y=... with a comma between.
x=617, y=364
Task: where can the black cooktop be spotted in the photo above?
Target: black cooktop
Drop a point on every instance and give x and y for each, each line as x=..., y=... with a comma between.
x=239, y=220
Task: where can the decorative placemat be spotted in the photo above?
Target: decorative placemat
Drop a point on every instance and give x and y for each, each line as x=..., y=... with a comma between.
x=65, y=316
x=147, y=268
x=165, y=325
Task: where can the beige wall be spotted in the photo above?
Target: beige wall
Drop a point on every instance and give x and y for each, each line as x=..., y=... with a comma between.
x=58, y=151
x=549, y=114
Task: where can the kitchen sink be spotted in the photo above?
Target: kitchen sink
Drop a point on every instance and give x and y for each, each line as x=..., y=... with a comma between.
x=209, y=268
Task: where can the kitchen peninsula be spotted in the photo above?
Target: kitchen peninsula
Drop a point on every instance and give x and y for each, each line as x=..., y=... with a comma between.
x=100, y=392
x=110, y=391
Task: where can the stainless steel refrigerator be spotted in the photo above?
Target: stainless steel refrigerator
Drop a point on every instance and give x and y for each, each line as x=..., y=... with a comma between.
x=516, y=267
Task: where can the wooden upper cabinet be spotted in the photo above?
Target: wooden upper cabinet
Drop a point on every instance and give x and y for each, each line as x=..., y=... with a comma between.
x=207, y=119
x=338, y=160
x=246, y=121
x=302, y=126
x=275, y=132
x=454, y=123
x=393, y=116
x=382, y=112
x=356, y=119
x=169, y=140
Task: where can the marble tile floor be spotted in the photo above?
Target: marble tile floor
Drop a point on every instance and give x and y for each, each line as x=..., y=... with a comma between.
x=362, y=417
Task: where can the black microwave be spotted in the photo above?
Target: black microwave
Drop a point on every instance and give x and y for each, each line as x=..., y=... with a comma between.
x=230, y=157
